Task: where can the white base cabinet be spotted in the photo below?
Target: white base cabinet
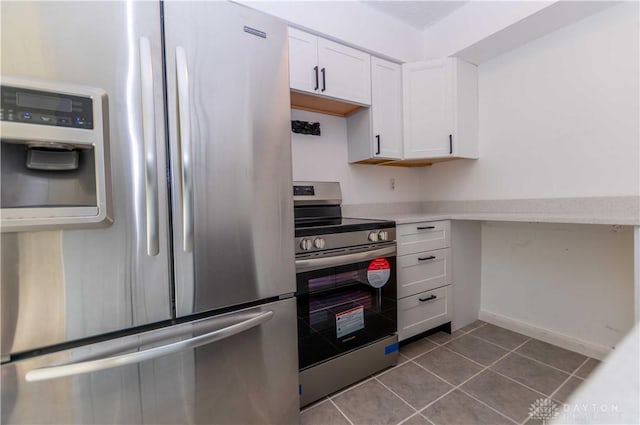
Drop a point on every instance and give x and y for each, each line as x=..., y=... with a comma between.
x=424, y=311
x=424, y=277
x=423, y=271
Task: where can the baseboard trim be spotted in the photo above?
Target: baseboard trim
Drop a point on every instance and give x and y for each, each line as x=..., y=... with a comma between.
x=590, y=349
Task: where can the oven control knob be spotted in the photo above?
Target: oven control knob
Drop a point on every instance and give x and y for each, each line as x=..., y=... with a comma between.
x=373, y=236
x=318, y=243
x=383, y=235
x=305, y=244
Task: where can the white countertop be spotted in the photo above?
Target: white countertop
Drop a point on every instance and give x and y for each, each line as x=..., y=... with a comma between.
x=622, y=211
x=522, y=217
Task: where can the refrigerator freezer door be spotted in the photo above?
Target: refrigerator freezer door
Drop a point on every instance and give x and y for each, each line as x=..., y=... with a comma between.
x=61, y=285
x=248, y=375
x=229, y=113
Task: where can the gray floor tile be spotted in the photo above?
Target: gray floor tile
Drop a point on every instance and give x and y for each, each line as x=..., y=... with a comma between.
x=567, y=389
x=459, y=408
x=586, y=369
x=416, y=348
x=476, y=349
x=531, y=373
x=448, y=365
x=323, y=414
x=508, y=397
x=503, y=337
x=443, y=337
x=473, y=326
x=414, y=384
x=372, y=403
x=416, y=419
x=550, y=354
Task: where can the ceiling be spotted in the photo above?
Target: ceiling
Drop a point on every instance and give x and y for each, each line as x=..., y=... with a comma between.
x=418, y=14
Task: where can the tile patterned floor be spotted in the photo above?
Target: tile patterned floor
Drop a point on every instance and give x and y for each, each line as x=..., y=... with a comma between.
x=482, y=374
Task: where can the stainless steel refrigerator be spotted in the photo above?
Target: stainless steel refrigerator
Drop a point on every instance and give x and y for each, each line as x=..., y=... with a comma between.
x=147, y=216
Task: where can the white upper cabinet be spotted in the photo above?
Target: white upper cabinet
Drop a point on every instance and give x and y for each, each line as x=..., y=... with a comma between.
x=303, y=61
x=386, y=108
x=440, y=109
x=375, y=133
x=322, y=67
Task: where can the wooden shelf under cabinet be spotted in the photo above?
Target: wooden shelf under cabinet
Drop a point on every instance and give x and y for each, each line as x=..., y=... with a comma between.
x=323, y=105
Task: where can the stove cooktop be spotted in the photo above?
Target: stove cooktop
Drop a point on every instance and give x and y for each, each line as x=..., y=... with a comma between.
x=323, y=226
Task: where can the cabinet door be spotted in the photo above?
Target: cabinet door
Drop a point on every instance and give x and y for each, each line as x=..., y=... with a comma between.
x=423, y=271
x=386, y=108
x=303, y=61
x=345, y=73
x=425, y=236
x=421, y=312
x=428, y=108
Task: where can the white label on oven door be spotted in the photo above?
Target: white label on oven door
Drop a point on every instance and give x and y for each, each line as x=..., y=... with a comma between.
x=379, y=272
x=350, y=321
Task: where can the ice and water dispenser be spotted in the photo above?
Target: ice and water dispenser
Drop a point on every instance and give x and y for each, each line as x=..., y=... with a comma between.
x=55, y=156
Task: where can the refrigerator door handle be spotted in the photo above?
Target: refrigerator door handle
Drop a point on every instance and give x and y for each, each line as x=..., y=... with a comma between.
x=149, y=138
x=70, y=369
x=184, y=123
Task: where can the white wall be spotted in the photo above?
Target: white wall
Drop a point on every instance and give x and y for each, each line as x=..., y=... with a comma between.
x=325, y=158
x=558, y=117
x=350, y=22
x=571, y=280
x=473, y=22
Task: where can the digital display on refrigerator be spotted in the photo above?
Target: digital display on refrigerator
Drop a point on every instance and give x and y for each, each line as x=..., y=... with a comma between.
x=39, y=101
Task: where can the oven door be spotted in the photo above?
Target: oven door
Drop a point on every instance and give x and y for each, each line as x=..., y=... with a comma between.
x=345, y=301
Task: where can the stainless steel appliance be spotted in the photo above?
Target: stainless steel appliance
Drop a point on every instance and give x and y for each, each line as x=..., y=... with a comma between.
x=180, y=308
x=346, y=292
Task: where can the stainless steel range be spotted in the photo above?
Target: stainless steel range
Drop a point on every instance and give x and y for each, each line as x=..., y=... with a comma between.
x=346, y=292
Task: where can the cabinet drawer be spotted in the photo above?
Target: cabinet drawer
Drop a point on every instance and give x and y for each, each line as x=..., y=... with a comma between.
x=423, y=271
x=424, y=311
x=425, y=236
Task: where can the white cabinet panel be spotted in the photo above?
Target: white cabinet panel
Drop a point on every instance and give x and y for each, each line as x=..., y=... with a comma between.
x=423, y=271
x=424, y=236
x=303, y=61
x=345, y=73
x=386, y=108
x=375, y=134
x=440, y=109
x=326, y=68
x=428, y=114
x=421, y=312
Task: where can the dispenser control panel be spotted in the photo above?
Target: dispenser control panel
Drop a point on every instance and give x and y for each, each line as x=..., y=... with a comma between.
x=54, y=155
x=45, y=108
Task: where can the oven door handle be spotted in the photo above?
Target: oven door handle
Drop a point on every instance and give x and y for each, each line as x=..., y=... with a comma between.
x=309, y=264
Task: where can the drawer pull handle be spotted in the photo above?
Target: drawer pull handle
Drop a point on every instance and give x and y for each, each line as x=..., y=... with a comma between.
x=425, y=227
x=429, y=298
x=431, y=257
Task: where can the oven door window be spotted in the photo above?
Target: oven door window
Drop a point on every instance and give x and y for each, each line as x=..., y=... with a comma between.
x=345, y=307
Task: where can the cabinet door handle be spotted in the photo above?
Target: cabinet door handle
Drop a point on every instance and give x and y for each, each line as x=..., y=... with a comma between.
x=425, y=227
x=431, y=257
x=429, y=298
x=324, y=79
x=450, y=144
x=378, y=140
x=315, y=68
